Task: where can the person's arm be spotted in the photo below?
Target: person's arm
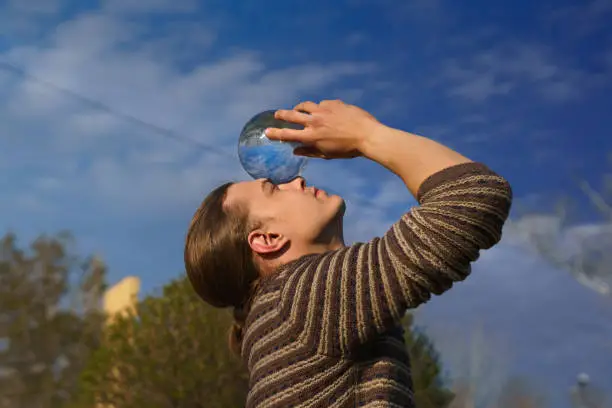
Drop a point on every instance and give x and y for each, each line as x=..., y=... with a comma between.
x=413, y=158
x=342, y=299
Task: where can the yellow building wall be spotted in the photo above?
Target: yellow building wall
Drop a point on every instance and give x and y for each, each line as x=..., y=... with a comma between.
x=118, y=299
x=122, y=296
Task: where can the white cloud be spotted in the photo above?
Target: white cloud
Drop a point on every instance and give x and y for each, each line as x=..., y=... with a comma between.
x=537, y=321
x=529, y=319
x=392, y=191
x=122, y=165
x=24, y=20
x=582, y=250
x=480, y=88
x=506, y=68
x=150, y=6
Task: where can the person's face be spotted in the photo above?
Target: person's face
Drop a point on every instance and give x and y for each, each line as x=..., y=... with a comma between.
x=289, y=213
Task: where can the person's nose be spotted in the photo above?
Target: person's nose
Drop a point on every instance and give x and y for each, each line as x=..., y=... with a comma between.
x=297, y=183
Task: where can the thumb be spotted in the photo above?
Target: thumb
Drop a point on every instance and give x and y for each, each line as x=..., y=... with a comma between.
x=308, y=151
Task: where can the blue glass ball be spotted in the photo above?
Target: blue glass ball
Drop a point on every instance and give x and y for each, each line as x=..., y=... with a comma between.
x=265, y=158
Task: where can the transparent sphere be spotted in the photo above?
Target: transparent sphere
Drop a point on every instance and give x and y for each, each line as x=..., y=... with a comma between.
x=265, y=158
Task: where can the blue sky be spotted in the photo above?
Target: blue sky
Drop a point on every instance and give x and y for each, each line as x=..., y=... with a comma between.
x=522, y=86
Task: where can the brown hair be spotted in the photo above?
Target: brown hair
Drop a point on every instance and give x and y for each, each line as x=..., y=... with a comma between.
x=219, y=261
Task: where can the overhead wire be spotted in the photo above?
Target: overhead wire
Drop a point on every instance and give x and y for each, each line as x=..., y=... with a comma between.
x=167, y=133
x=159, y=130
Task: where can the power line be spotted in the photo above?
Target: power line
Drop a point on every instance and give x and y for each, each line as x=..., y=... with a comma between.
x=95, y=104
x=164, y=132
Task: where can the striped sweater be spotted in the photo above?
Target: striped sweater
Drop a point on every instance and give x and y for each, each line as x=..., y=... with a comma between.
x=325, y=331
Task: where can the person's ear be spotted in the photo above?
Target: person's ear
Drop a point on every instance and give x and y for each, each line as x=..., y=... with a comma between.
x=265, y=243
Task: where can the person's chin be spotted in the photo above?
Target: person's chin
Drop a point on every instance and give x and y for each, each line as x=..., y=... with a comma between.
x=341, y=205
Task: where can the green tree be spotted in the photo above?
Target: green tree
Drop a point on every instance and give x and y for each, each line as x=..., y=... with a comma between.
x=50, y=320
x=427, y=377
x=171, y=351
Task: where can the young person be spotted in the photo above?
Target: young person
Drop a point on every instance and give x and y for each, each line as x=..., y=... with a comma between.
x=318, y=323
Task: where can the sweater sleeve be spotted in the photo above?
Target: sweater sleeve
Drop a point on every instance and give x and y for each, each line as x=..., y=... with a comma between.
x=342, y=299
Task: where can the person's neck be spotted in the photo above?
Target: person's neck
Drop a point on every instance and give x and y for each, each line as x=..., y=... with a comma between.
x=331, y=239
x=295, y=252
x=322, y=247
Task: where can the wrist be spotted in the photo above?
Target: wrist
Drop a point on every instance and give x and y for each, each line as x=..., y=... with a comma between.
x=375, y=139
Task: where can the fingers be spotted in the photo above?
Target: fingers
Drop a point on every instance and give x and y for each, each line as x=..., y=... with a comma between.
x=293, y=116
x=286, y=135
x=331, y=103
x=308, y=107
x=290, y=135
x=309, y=151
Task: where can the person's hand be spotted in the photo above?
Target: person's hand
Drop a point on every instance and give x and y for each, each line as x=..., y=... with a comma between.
x=332, y=129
